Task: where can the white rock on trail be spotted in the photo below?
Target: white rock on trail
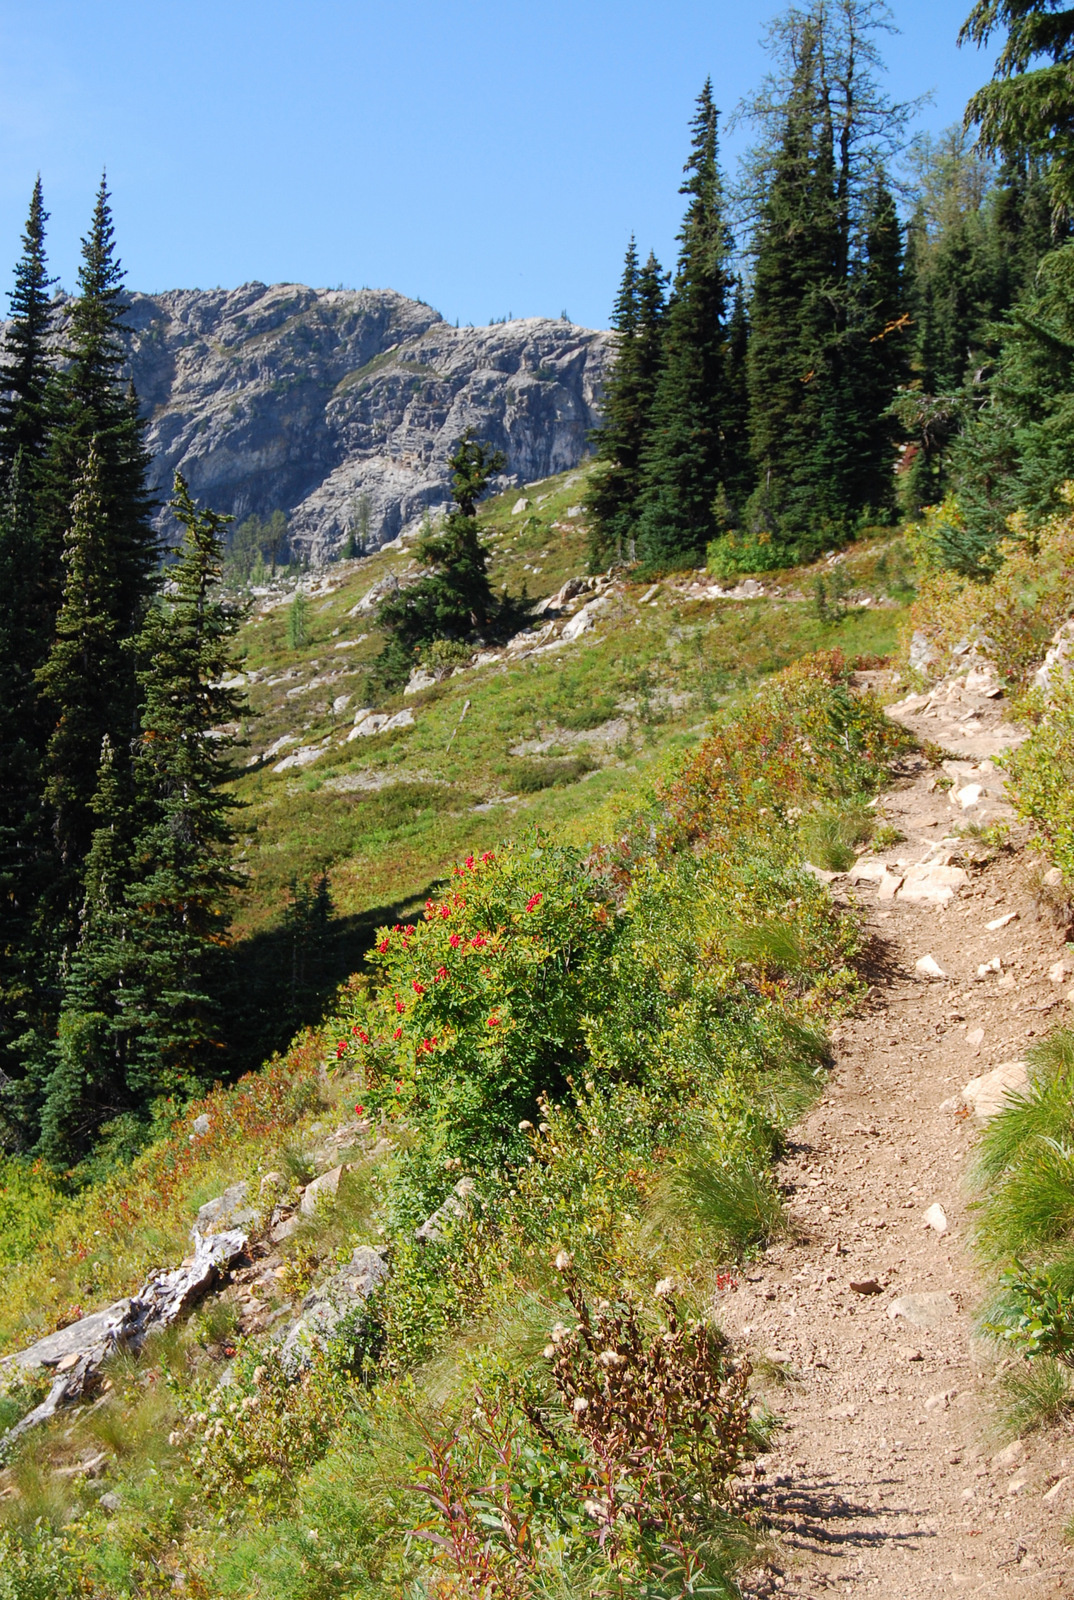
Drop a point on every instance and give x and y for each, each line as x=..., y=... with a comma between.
x=926, y=1310
x=929, y=967
x=988, y=1094
x=1001, y=922
x=935, y=1218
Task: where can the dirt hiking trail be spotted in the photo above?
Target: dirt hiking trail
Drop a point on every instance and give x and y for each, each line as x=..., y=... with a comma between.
x=889, y=1477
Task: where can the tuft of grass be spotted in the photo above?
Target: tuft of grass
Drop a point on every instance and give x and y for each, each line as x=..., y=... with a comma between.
x=1036, y=1394
x=830, y=835
x=725, y=1208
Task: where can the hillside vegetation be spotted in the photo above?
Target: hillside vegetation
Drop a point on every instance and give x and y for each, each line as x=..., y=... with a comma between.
x=606, y=1046
x=563, y=739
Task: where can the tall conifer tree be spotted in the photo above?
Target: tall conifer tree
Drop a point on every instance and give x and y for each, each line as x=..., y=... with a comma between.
x=638, y=321
x=141, y=1008
x=25, y=365
x=95, y=405
x=685, y=461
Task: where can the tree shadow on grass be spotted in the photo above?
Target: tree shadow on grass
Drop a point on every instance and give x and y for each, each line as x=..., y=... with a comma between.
x=284, y=977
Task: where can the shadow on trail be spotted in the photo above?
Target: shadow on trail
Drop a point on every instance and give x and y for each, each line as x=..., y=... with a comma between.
x=284, y=977
x=814, y=1515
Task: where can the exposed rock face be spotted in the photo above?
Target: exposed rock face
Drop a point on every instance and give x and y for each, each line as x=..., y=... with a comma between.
x=304, y=400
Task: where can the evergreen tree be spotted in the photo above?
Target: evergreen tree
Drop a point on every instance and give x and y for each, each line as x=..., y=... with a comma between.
x=737, y=467
x=813, y=373
x=614, y=499
x=95, y=405
x=685, y=460
x=85, y=1085
x=455, y=600
x=612, y=496
x=974, y=242
x=793, y=328
x=23, y=848
x=1028, y=110
x=25, y=366
x=78, y=684
x=883, y=357
x=140, y=1014
x=182, y=880
x=1017, y=447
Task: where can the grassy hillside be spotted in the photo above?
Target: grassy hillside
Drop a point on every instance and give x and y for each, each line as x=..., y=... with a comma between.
x=660, y=1008
x=562, y=740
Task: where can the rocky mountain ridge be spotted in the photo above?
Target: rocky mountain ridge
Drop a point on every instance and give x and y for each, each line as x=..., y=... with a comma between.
x=341, y=407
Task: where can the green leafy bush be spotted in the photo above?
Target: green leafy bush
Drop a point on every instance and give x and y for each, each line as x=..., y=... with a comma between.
x=1042, y=777
x=481, y=1004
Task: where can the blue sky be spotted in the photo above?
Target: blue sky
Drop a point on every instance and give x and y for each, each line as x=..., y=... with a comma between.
x=489, y=158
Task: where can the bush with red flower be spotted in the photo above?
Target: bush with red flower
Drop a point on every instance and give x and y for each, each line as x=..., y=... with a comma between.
x=482, y=1004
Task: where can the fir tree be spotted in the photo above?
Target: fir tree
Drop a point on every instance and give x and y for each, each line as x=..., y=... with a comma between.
x=182, y=880
x=1017, y=448
x=814, y=375
x=614, y=500
x=685, y=461
x=455, y=600
x=612, y=496
x=1028, y=109
x=78, y=681
x=792, y=327
x=26, y=366
x=86, y=1082
x=95, y=406
x=23, y=847
x=883, y=359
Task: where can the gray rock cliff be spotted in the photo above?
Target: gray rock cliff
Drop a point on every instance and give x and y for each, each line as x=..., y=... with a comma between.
x=310, y=400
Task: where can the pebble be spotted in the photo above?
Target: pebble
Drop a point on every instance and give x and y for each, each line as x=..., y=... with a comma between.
x=929, y=967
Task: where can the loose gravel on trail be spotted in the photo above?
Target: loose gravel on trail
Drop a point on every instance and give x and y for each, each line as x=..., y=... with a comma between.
x=890, y=1475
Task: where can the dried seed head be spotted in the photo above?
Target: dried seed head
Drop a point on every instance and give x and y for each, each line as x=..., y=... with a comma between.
x=564, y=1260
x=542, y=1127
x=525, y=1126
x=580, y=1404
x=611, y=1358
x=665, y=1287
x=592, y=1508
x=559, y=1333
x=549, y=1351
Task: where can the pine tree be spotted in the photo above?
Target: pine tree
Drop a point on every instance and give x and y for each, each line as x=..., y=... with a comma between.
x=23, y=847
x=814, y=375
x=95, y=405
x=614, y=500
x=1028, y=110
x=78, y=684
x=793, y=329
x=737, y=467
x=685, y=459
x=85, y=1086
x=454, y=601
x=883, y=358
x=25, y=367
x=612, y=495
x=178, y=904
x=1017, y=448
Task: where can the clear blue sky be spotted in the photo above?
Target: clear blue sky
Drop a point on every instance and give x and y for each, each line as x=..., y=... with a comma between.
x=487, y=157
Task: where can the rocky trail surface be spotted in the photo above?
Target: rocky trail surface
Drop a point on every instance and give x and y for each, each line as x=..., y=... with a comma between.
x=890, y=1476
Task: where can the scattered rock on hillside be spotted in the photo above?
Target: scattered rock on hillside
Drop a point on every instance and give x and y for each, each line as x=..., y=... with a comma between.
x=453, y=1206
x=325, y=1306
x=1057, y=663
x=75, y=1354
x=321, y=1190
x=226, y=1210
